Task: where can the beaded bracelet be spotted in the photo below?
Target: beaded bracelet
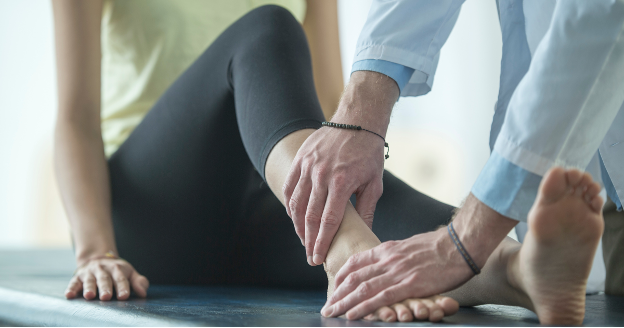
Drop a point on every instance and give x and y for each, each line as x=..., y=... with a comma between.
x=462, y=250
x=357, y=127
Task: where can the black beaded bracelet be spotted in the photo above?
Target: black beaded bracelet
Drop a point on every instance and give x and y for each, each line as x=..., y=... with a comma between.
x=462, y=250
x=357, y=127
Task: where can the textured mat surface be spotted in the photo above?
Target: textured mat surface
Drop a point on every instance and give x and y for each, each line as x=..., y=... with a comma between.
x=32, y=285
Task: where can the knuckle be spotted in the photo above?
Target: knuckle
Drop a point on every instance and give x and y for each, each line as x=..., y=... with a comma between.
x=351, y=279
x=353, y=259
x=340, y=180
x=319, y=174
x=119, y=279
x=312, y=217
x=388, y=295
x=394, y=258
x=330, y=219
x=412, y=280
x=364, y=289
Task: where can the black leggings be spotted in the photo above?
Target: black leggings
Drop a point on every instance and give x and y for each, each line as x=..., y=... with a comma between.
x=189, y=203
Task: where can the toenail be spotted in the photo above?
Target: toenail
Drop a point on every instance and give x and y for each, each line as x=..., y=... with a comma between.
x=404, y=317
x=437, y=314
x=422, y=312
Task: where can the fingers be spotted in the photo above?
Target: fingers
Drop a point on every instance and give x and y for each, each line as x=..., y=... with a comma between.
x=298, y=205
x=313, y=219
x=139, y=283
x=367, y=201
x=74, y=287
x=364, y=291
x=122, y=286
x=355, y=262
x=359, y=280
x=89, y=286
x=290, y=183
x=387, y=296
x=104, y=283
x=333, y=213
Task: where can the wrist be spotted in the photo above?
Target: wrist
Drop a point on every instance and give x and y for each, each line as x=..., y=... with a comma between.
x=87, y=254
x=481, y=229
x=368, y=101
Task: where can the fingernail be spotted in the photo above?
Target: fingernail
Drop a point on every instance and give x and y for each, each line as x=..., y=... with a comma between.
x=327, y=312
x=437, y=314
x=123, y=293
x=310, y=260
x=318, y=259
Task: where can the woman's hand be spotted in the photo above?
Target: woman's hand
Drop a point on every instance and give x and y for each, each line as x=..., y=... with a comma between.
x=103, y=275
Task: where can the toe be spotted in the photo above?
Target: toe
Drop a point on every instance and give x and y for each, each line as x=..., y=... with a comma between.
x=403, y=313
x=448, y=305
x=435, y=311
x=419, y=309
x=553, y=185
x=386, y=314
x=573, y=177
x=593, y=189
x=596, y=204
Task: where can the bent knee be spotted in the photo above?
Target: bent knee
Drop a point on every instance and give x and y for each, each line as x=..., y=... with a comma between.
x=272, y=18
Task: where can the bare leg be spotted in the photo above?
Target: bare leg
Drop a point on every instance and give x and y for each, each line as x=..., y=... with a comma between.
x=352, y=237
x=548, y=273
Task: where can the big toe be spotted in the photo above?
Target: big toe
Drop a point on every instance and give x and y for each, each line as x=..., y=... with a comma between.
x=554, y=185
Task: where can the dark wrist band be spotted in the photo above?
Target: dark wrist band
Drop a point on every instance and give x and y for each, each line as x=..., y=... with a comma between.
x=462, y=250
x=357, y=127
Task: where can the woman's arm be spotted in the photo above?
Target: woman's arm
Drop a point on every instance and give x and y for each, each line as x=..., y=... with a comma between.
x=80, y=164
x=321, y=28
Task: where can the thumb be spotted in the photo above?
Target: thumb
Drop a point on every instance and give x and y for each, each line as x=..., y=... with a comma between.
x=366, y=201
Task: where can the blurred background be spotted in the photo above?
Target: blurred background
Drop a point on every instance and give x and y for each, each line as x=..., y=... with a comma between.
x=439, y=141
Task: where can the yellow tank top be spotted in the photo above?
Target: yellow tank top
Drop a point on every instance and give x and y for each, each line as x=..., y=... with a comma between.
x=147, y=44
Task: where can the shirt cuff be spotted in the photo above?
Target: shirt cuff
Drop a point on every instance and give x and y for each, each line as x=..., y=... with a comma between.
x=399, y=73
x=506, y=188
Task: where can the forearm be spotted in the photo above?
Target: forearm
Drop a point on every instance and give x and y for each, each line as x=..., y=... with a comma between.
x=82, y=175
x=321, y=29
x=368, y=101
x=480, y=229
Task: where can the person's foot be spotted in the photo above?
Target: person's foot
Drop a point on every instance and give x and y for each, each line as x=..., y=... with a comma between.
x=552, y=266
x=353, y=237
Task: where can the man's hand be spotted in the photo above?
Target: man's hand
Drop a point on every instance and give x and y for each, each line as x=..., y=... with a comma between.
x=334, y=164
x=421, y=266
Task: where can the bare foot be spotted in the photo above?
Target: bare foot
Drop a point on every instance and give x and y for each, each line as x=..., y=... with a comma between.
x=353, y=237
x=552, y=266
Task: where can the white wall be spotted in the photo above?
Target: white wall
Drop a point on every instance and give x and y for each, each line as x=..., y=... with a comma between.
x=29, y=210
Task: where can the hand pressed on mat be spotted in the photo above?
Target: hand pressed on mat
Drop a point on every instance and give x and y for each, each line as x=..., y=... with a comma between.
x=100, y=276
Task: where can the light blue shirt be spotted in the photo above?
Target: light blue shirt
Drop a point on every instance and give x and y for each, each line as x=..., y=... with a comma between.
x=561, y=88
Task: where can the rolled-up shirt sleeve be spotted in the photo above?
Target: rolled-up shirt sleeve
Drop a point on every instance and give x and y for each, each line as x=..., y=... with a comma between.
x=563, y=107
x=399, y=73
x=409, y=33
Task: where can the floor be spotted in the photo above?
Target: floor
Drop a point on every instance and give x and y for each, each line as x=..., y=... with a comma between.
x=32, y=285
